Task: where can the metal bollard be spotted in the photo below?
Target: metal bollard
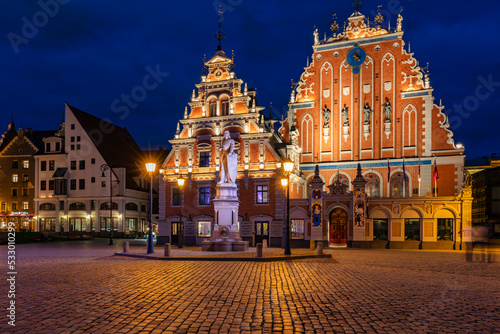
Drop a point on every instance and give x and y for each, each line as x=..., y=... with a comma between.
x=258, y=249
x=126, y=247
x=319, y=248
x=166, y=250
x=264, y=243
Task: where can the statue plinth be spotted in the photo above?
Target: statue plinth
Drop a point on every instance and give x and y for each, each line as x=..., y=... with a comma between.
x=226, y=233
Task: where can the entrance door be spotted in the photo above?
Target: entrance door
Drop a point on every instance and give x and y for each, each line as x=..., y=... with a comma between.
x=175, y=233
x=338, y=227
x=261, y=232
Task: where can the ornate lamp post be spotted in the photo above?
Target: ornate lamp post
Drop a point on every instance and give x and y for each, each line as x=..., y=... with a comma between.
x=180, y=183
x=285, y=182
x=150, y=167
x=104, y=168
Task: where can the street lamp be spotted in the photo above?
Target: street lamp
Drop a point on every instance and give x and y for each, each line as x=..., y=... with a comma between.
x=150, y=167
x=104, y=168
x=180, y=183
x=285, y=182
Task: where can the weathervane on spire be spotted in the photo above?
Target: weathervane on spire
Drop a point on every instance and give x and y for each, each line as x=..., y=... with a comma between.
x=220, y=36
x=357, y=4
x=379, y=18
x=335, y=26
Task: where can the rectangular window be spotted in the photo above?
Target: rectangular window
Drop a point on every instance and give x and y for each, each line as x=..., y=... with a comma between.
x=25, y=191
x=77, y=146
x=72, y=139
x=415, y=191
x=15, y=177
x=73, y=165
x=380, y=229
x=72, y=126
x=72, y=147
x=92, y=204
x=43, y=165
x=92, y=161
x=143, y=208
x=61, y=187
x=47, y=147
x=58, y=146
x=204, y=159
x=72, y=184
x=176, y=196
x=26, y=164
x=92, y=179
x=77, y=138
x=25, y=178
x=82, y=164
x=81, y=184
x=297, y=228
x=15, y=164
x=77, y=224
x=51, y=184
x=14, y=206
x=103, y=184
x=131, y=225
x=412, y=229
x=14, y=191
x=204, y=196
x=43, y=185
x=52, y=165
x=204, y=229
x=61, y=205
x=262, y=195
x=445, y=229
x=26, y=205
x=4, y=206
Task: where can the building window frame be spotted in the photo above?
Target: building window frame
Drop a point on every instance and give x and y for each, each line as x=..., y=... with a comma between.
x=261, y=194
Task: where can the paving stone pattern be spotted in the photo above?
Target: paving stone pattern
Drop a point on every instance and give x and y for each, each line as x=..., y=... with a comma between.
x=78, y=287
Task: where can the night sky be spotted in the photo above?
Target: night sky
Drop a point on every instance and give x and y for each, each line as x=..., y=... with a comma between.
x=89, y=53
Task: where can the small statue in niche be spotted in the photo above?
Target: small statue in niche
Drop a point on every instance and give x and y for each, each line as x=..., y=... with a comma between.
x=387, y=110
x=345, y=112
x=326, y=116
x=366, y=114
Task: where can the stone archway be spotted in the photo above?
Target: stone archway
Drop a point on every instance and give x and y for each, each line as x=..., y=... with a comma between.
x=338, y=227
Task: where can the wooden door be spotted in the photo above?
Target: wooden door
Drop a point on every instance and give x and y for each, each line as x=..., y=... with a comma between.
x=338, y=227
x=175, y=233
x=261, y=232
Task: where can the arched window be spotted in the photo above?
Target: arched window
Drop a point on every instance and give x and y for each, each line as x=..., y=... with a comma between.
x=342, y=178
x=77, y=206
x=397, y=182
x=213, y=107
x=224, y=107
x=131, y=206
x=372, y=187
x=47, y=206
x=105, y=206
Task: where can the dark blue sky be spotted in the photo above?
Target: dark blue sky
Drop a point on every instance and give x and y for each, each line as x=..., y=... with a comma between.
x=90, y=52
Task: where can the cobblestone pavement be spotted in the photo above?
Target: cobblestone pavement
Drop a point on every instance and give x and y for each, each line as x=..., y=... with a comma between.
x=77, y=287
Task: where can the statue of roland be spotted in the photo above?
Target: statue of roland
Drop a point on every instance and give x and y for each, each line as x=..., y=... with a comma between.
x=229, y=160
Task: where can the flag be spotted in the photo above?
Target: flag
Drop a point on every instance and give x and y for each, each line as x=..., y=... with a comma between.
x=388, y=171
x=436, y=175
x=419, y=178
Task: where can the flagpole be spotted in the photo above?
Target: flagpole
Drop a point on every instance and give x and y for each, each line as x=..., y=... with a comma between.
x=404, y=178
x=419, y=178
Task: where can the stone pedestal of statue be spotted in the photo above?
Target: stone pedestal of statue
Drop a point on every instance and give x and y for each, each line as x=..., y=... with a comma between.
x=226, y=233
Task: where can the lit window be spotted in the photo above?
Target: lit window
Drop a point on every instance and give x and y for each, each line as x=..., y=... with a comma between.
x=262, y=195
x=297, y=228
x=26, y=205
x=26, y=164
x=380, y=229
x=204, y=196
x=397, y=182
x=15, y=177
x=204, y=229
x=412, y=229
x=372, y=186
x=25, y=178
x=445, y=229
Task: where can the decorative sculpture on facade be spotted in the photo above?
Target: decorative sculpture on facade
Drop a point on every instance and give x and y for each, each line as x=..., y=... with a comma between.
x=366, y=114
x=326, y=116
x=387, y=110
x=229, y=159
x=345, y=119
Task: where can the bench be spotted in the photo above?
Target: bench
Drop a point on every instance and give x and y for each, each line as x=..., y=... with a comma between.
x=74, y=237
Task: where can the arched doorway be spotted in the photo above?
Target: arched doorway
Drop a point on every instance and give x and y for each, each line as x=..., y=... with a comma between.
x=338, y=227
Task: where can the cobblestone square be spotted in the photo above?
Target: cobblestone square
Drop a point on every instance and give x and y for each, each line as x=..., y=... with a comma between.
x=80, y=287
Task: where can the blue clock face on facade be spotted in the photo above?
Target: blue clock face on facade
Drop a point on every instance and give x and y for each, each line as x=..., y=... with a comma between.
x=356, y=57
